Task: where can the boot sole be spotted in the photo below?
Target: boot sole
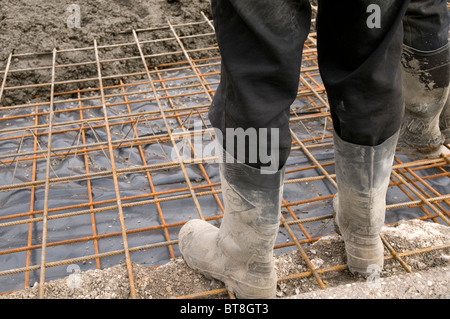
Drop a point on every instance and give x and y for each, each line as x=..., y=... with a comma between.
x=240, y=289
x=430, y=153
x=357, y=262
x=365, y=259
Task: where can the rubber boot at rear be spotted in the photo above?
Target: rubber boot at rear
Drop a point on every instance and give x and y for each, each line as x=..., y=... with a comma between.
x=426, y=77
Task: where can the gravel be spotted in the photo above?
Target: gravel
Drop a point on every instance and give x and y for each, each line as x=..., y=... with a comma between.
x=429, y=284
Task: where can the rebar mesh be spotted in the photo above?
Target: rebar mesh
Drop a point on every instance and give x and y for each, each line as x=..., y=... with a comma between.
x=94, y=169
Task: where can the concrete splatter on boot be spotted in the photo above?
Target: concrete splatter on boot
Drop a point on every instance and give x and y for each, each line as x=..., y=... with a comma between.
x=426, y=85
x=444, y=121
x=359, y=207
x=240, y=252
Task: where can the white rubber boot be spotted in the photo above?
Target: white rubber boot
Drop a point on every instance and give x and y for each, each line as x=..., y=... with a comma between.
x=240, y=252
x=362, y=174
x=426, y=86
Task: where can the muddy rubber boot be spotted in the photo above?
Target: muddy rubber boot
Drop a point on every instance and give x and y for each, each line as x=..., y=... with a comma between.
x=240, y=252
x=359, y=207
x=426, y=84
x=444, y=121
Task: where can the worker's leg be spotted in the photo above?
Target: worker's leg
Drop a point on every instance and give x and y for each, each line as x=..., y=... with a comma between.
x=261, y=45
x=360, y=44
x=360, y=67
x=426, y=75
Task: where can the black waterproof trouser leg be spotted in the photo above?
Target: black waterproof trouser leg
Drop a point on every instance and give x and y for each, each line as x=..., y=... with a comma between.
x=261, y=44
x=360, y=67
x=359, y=47
x=426, y=25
